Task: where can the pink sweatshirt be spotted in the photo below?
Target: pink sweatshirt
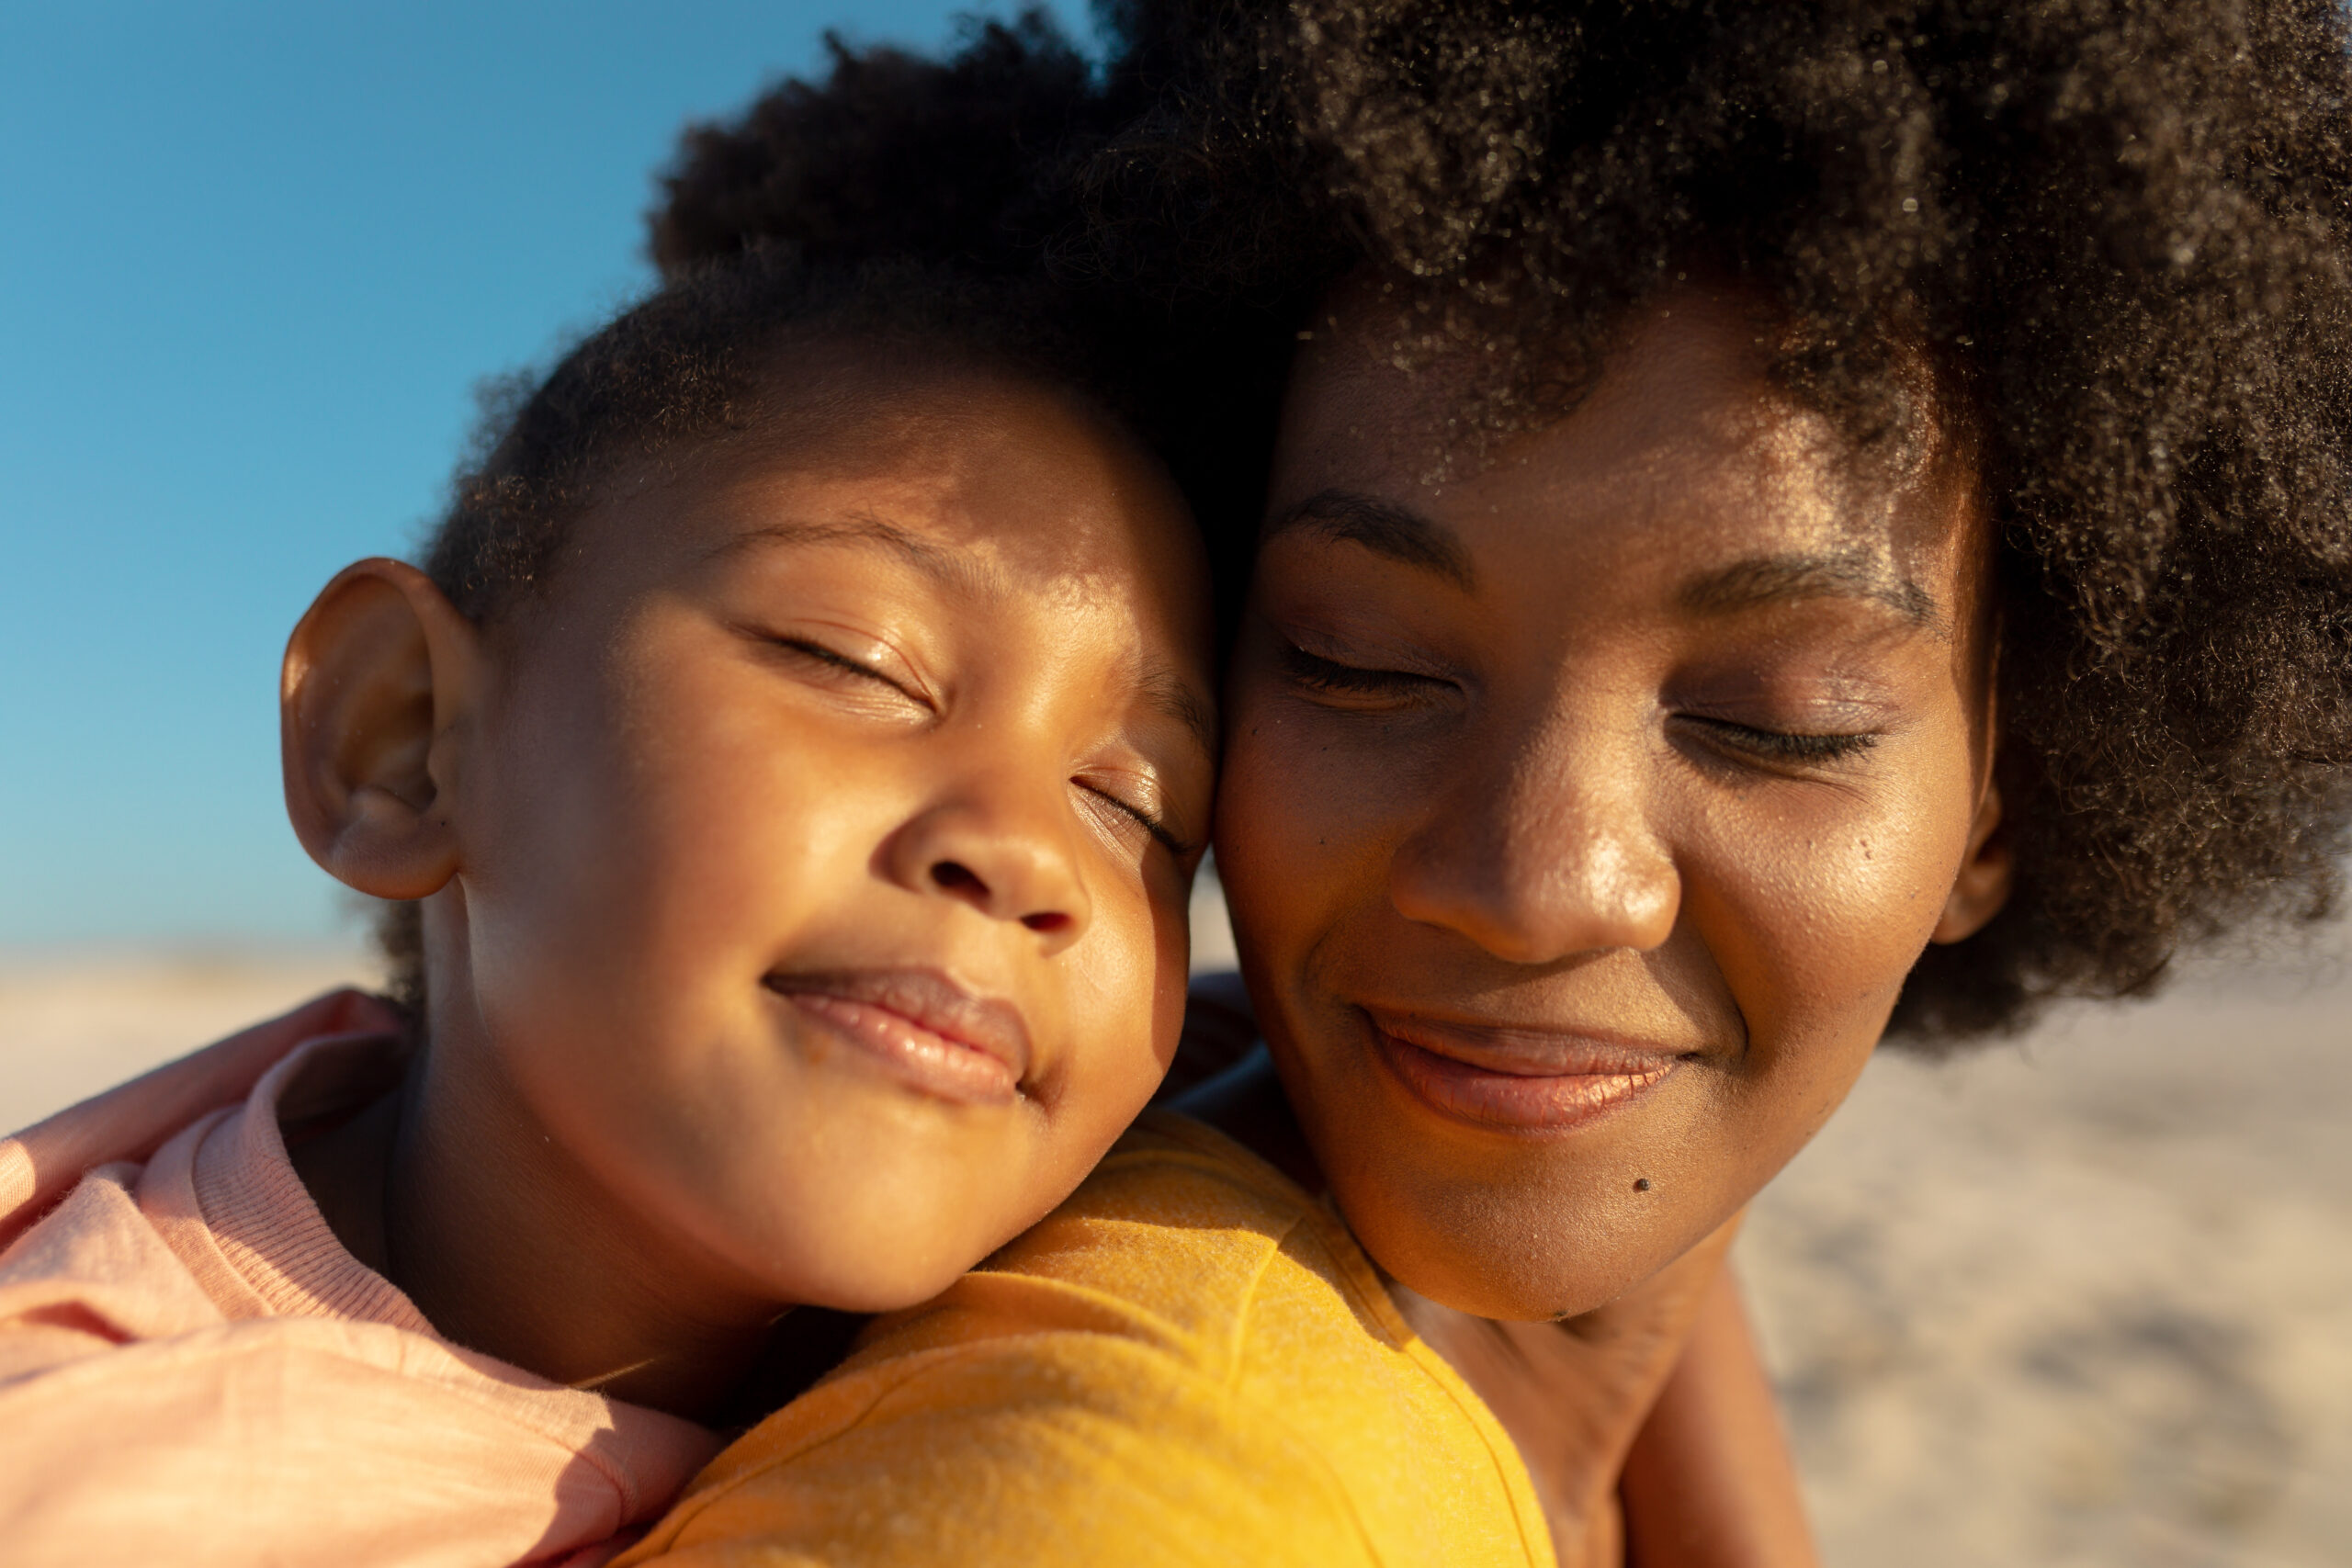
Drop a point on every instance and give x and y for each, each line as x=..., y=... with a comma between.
x=194, y=1371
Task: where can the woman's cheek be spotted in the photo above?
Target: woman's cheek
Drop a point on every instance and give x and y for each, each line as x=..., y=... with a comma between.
x=1336, y=781
x=1274, y=790
x=1818, y=909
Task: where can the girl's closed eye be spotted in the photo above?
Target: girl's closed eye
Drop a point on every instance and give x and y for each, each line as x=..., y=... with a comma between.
x=1131, y=818
x=829, y=666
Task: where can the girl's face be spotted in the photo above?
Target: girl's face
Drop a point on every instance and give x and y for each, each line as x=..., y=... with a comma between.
x=1585, y=806
x=825, y=834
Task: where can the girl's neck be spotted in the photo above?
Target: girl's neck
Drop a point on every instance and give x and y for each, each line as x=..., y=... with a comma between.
x=507, y=1247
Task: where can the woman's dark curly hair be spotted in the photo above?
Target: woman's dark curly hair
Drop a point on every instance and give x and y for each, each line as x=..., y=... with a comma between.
x=2122, y=232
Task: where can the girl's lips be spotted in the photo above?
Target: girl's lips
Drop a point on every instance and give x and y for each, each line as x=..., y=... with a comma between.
x=1517, y=1080
x=925, y=1030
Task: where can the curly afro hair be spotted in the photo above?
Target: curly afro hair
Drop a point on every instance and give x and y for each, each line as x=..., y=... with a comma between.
x=893, y=155
x=2123, y=231
x=806, y=226
x=692, y=368
x=988, y=160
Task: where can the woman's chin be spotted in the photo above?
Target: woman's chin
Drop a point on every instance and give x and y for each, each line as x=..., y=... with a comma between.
x=1506, y=1290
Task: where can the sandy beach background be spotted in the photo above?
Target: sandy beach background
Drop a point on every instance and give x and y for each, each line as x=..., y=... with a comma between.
x=2085, y=1300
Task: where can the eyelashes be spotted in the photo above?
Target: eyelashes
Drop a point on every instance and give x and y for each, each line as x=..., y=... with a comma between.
x=842, y=665
x=1329, y=675
x=1399, y=688
x=1152, y=824
x=1784, y=745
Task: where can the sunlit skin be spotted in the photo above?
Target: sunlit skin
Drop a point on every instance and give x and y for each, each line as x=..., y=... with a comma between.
x=806, y=869
x=1587, y=798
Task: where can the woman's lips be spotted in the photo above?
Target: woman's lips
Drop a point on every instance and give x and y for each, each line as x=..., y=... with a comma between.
x=924, y=1029
x=1523, y=1079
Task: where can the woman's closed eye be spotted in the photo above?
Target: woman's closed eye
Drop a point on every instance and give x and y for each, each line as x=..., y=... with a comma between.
x=1358, y=685
x=1779, y=748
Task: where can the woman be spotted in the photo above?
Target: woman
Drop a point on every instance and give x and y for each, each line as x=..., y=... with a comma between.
x=1787, y=522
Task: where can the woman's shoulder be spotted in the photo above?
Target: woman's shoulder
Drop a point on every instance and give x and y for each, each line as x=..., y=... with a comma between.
x=1182, y=1240
x=1189, y=1351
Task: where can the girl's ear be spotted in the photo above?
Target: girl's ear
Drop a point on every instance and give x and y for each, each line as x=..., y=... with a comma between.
x=1982, y=884
x=377, y=677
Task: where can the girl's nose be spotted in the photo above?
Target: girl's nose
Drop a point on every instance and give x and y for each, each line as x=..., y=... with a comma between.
x=1543, y=850
x=1010, y=858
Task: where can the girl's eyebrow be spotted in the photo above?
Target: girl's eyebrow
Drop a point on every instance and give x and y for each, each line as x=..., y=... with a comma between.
x=1166, y=691
x=948, y=567
x=1162, y=688
x=1773, y=579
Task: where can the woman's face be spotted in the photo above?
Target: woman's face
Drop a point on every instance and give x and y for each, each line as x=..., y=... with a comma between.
x=1586, y=802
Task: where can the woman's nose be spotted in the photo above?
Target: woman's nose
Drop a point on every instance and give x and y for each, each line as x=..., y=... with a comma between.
x=1010, y=858
x=1543, y=850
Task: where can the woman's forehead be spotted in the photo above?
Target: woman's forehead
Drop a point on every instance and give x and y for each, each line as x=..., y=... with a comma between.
x=1685, y=442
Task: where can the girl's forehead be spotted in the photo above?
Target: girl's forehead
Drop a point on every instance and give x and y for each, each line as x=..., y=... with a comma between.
x=983, y=467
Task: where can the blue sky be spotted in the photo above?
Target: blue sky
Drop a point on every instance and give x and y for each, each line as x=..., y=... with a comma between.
x=254, y=259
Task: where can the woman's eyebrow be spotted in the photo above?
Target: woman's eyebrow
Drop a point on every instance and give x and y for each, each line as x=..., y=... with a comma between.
x=1772, y=580
x=1386, y=528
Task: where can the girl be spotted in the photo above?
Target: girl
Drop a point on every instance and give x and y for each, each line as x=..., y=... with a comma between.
x=798, y=741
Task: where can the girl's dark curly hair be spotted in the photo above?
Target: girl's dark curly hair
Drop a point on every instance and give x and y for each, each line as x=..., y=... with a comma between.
x=894, y=155
x=989, y=160
x=2122, y=232
x=902, y=209
x=697, y=367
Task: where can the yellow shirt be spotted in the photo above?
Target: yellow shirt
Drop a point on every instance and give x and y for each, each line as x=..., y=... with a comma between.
x=1190, y=1362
